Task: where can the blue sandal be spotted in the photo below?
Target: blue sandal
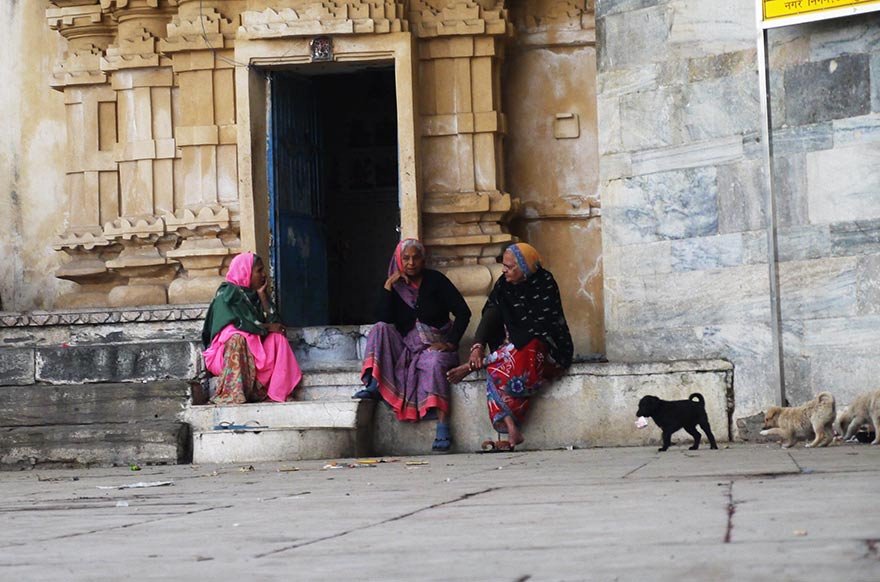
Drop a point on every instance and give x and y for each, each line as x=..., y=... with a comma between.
x=368, y=392
x=443, y=440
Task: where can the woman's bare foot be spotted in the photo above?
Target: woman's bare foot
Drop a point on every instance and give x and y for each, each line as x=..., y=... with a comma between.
x=513, y=433
x=459, y=373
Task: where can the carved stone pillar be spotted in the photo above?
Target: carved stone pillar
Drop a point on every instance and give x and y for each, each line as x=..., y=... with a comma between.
x=91, y=179
x=463, y=200
x=144, y=85
x=206, y=208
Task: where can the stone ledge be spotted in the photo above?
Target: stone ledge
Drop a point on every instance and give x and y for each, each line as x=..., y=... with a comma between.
x=102, y=316
x=592, y=405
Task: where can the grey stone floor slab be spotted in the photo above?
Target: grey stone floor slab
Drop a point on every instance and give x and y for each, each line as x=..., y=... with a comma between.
x=750, y=512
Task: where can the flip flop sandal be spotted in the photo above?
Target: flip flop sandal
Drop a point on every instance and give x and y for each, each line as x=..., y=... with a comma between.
x=441, y=445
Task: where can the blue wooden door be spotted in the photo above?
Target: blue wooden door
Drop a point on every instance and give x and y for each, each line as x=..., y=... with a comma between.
x=299, y=240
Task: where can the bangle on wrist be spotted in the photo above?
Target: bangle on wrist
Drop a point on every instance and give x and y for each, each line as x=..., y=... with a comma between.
x=476, y=346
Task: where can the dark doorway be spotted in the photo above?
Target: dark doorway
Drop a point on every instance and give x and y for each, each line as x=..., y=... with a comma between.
x=333, y=182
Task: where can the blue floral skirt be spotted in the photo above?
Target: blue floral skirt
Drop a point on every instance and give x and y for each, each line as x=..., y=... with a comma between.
x=513, y=377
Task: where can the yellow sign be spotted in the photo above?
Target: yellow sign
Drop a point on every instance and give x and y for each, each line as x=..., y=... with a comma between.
x=782, y=8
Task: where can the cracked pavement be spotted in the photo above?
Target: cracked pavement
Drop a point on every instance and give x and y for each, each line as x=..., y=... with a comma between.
x=750, y=511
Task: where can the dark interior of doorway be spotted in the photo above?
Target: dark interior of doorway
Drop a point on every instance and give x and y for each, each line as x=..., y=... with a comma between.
x=351, y=217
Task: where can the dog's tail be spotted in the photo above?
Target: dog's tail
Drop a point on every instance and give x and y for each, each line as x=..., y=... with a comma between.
x=698, y=397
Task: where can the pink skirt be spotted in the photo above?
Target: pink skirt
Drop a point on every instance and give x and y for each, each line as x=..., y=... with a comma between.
x=277, y=368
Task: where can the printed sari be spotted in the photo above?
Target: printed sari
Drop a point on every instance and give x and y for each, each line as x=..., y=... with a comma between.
x=525, y=325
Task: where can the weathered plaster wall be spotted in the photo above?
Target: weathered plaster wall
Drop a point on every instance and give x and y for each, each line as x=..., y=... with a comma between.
x=552, y=164
x=686, y=272
x=826, y=114
x=32, y=200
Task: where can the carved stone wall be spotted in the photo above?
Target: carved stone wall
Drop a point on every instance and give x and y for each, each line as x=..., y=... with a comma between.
x=464, y=202
x=153, y=184
x=155, y=188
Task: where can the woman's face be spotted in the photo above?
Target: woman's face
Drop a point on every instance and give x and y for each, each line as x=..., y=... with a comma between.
x=258, y=275
x=510, y=268
x=413, y=261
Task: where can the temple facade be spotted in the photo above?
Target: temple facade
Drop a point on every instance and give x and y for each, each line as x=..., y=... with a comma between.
x=147, y=141
x=315, y=133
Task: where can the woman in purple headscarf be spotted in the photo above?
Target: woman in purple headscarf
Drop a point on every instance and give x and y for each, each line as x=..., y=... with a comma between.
x=414, y=343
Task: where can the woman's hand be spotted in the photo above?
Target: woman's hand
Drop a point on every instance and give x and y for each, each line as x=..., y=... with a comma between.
x=475, y=361
x=394, y=278
x=441, y=347
x=274, y=327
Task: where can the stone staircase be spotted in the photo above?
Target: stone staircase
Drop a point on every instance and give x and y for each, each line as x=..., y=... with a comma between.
x=325, y=423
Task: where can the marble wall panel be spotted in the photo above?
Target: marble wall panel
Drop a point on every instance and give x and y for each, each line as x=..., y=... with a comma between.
x=633, y=37
x=713, y=252
x=617, y=82
x=858, y=237
x=702, y=28
x=875, y=82
x=668, y=205
x=790, y=175
x=609, y=7
x=843, y=184
x=731, y=295
x=740, y=197
x=803, y=138
x=689, y=155
x=830, y=89
x=716, y=66
x=818, y=289
x=650, y=119
x=830, y=39
x=722, y=107
x=868, y=285
x=609, y=127
x=648, y=259
x=857, y=130
x=799, y=243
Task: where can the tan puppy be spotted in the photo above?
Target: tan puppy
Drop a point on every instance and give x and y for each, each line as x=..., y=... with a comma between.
x=815, y=417
x=865, y=409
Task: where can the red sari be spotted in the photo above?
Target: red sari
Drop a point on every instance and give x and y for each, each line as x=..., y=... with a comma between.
x=513, y=377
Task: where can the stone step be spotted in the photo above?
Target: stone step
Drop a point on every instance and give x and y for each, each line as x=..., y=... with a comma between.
x=157, y=442
x=309, y=414
x=289, y=431
x=93, y=424
x=277, y=444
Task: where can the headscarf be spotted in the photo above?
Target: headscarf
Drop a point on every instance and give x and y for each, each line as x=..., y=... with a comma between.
x=235, y=302
x=409, y=293
x=527, y=257
x=531, y=309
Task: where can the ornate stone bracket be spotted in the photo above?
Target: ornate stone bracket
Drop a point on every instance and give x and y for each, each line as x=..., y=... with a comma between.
x=433, y=18
x=319, y=18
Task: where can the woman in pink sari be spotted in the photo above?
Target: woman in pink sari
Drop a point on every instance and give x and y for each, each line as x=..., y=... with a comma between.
x=245, y=341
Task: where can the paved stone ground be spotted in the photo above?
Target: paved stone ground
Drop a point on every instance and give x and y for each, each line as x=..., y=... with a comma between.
x=748, y=512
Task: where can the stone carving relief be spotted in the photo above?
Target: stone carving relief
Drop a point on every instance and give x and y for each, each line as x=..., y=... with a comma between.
x=433, y=18
x=321, y=18
x=534, y=16
x=154, y=203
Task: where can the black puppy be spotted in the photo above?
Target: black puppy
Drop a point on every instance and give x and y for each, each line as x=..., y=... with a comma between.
x=672, y=415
